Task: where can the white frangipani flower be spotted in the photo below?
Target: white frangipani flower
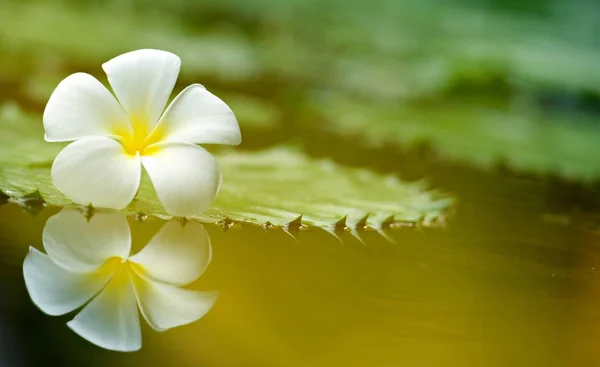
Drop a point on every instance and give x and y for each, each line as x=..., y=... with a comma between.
x=113, y=138
x=90, y=260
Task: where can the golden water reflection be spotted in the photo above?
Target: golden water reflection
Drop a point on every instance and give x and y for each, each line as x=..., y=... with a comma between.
x=480, y=293
x=88, y=264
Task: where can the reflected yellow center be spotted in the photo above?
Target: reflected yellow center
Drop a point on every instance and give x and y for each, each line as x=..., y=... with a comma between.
x=123, y=275
x=122, y=271
x=141, y=138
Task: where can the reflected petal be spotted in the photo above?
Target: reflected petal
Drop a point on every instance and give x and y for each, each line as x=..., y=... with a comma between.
x=197, y=116
x=111, y=319
x=165, y=306
x=177, y=254
x=77, y=245
x=57, y=291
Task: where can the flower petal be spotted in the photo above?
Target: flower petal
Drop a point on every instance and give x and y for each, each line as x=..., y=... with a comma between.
x=78, y=245
x=143, y=81
x=165, y=306
x=97, y=171
x=81, y=106
x=111, y=319
x=177, y=254
x=197, y=116
x=186, y=177
x=57, y=291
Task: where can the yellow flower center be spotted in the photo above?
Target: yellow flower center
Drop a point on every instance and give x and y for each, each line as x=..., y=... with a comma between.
x=141, y=138
x=123, y=274
x=121, y=270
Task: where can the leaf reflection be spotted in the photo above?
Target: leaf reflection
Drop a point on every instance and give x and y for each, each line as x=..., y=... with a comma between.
x=91, y=261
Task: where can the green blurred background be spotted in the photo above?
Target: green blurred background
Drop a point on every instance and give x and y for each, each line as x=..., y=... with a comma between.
x=495, y=101
x=482, y=83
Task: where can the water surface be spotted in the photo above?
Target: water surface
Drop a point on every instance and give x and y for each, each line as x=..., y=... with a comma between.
x=510, y=280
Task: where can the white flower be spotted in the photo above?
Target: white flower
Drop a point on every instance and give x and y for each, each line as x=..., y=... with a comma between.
x=91, y=260
x=114, y=139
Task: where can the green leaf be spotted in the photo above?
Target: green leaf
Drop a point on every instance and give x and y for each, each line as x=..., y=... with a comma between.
x=270, y=187
x=476, y=134
x=22, y=138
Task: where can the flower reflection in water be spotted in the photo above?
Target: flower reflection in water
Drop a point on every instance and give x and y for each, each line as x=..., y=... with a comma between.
x=90, y=260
